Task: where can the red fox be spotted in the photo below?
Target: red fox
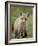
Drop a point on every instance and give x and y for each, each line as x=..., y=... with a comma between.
x=20, y=25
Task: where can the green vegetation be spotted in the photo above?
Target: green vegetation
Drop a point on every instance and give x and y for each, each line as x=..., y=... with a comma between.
x=15, y=12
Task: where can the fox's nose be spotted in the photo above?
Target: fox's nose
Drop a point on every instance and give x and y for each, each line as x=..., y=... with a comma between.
x=23, y=22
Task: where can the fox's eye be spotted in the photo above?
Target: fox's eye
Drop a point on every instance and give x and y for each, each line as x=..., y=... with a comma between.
x=25, y=18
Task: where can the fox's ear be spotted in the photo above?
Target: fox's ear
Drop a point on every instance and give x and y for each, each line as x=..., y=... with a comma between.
x=20, y=14
x=28, y=14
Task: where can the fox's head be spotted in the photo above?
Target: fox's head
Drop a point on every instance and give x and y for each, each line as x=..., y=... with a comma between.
x=24, y=17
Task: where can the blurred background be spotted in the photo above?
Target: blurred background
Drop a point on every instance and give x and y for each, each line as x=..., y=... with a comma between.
x=15, y=13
